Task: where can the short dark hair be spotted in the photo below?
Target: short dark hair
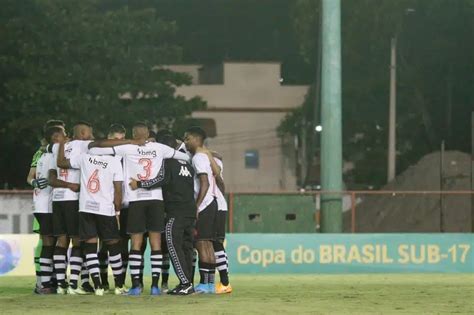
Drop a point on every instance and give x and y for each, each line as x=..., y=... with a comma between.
x=117, y=128
x=53, y=123
x=151, y=134
x=197, y=131
x=83, y=122
x=48, y=133
x=141, y=124
x=168, y=140
x=161, y=133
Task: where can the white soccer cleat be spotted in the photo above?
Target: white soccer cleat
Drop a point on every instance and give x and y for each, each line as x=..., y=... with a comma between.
x=77, y=291
x=121, y=291
x=99, y=292
x=62, y=291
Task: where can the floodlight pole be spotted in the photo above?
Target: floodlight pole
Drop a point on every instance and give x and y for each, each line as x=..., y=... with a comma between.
x=331, y=135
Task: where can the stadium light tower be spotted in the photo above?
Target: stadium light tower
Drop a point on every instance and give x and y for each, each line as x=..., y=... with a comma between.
x=392, y=115
x=331, y=134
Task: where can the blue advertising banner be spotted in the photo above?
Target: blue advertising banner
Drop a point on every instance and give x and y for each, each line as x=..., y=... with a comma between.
x=350, y=253
x=305, y=253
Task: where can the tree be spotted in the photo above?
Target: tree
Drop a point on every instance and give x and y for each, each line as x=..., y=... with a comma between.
x=83, y=60
x=435, y=68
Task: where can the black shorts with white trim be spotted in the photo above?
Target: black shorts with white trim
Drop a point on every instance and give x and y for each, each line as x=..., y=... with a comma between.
x=95, y=225
x=146, y=216
x=66, y=218
x=206, y=223
x=45, y=221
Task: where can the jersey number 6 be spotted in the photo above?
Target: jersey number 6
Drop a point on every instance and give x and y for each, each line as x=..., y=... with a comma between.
x=93, y=184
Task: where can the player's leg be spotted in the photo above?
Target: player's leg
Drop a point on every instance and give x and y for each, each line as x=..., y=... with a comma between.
x=221, y=256
x=75, y=262
x=166, y=264
x=174, y=234
x=188, y=247
x=205, y=237
x=85, y=283
x=136, y=227
x=47, y=249
x=36, y=229
x=104, y=265
x=89, y=234
x=76, y=258
x=194, y=264
x=155, y=226
x=142, y=263
x=62, y=244
x=124, y=241
x=109, y=234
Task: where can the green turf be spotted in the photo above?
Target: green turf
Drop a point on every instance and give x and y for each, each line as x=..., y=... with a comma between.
x=265, y=294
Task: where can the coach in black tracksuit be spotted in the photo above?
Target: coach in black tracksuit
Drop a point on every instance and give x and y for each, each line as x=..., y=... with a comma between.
x=177, y=181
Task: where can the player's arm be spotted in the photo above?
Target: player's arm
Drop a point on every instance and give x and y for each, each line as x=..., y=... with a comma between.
x=62, y=162
x=203, y=188
x=108, y=143
x=31, y=176
x=117, y=196
x=57, y=183
x=170, y=153
x=162, y=179
x=216, y=169
x=31, y=179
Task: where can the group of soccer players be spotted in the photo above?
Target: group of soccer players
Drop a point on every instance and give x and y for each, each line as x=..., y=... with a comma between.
x=109, y=198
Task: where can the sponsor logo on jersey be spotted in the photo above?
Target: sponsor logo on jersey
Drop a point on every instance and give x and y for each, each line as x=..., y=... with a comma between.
x=184, y=172
x=98, y=162
x=147, y=152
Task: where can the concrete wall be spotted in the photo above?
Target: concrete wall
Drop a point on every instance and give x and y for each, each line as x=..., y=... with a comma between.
x=16, y=212
x=247, y=109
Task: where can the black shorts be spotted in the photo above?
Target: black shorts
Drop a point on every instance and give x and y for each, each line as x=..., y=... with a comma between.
x=66, y=218
x=95, y=225
x=221, y=220
x=123, y=223
x=146, y=216
x=206, y=223
x=45, y=221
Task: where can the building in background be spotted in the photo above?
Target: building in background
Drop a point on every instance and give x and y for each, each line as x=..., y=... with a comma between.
x=246, y=103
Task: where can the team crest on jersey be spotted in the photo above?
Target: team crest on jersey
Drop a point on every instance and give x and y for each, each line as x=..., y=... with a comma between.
x=184, y=172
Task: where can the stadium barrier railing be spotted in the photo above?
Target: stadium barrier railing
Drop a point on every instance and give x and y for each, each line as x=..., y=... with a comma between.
x=363, y=211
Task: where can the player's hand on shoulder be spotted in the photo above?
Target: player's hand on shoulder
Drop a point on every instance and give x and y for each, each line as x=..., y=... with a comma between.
x=133, y=184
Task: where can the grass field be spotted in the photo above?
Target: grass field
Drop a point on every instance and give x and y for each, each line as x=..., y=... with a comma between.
x=265, y=294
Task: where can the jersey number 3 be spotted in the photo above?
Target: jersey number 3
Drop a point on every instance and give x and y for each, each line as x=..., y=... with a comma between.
x=146, y=163
x=93, y=184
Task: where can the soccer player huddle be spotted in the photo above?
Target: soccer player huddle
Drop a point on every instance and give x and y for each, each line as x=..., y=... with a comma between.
x=110, y=198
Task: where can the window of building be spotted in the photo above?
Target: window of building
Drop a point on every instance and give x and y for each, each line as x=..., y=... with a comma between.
x=251, y=159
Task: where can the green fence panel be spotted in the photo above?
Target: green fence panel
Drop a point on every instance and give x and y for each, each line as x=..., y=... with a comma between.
x=273, y=214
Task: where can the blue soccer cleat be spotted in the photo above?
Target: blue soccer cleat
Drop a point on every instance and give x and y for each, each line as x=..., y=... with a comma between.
x=155, y=291
x=135, y=291
x=202, y=288
x=211, y=288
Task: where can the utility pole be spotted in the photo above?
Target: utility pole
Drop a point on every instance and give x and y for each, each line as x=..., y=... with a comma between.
x=331, y=135
x=392, y=113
